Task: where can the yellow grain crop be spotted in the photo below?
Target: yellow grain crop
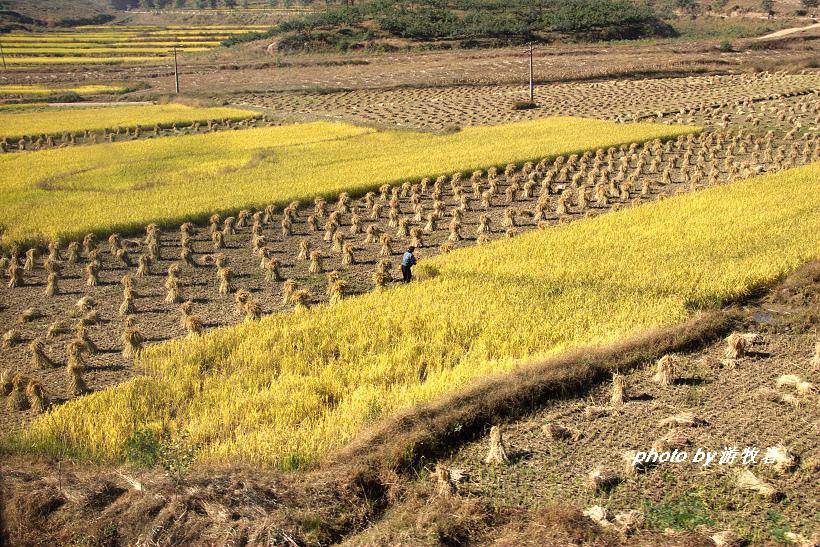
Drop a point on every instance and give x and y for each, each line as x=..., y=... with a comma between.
x=13, y=125
x=46, y=194
x=81, y=90
x=286, y=390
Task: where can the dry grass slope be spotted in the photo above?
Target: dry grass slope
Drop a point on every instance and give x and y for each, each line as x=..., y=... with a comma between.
x=288, y=389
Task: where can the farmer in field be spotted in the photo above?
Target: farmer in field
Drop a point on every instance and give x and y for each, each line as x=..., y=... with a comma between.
x=407, y=263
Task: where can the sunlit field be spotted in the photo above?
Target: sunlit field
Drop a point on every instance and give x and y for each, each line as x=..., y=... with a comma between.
x=35, y=90
x=14, y=125
x=113, y=45
x=68, y=192
x=288, y=389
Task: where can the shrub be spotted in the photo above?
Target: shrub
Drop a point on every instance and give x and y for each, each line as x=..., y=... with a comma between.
x=142, y=448
x=604, y=19
x=496, y=23
x=524, y=105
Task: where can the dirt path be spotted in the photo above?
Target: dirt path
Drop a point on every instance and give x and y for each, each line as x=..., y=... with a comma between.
x=787, y=31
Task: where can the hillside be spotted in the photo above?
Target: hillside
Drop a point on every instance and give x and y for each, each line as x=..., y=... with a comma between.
x=60, y=12
x=379, y=25
x=387, y=26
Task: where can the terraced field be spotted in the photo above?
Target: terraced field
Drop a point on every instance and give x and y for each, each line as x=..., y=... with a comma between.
x=113, y=45
x=45, y=194
x=355, y=247
x=185, y=289
x=439, y=108
x=42, y=91
x=287, y=389
x=45, y=122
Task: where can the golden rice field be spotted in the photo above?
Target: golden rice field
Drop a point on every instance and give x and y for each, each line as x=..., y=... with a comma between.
x=112, y=40
x=38, y=90
x=14, y=125
x=112, y=45
x=69, y=192
x=37, y=46
x=14, y=62
x=61, y=51
x=288, y=389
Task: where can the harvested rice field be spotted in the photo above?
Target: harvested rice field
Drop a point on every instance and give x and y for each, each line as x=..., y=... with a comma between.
x=395, y=355
x=111, y=45
x=610, y=336
x=45, y=122
x=297, y=162
x=439, y=108
x=286, y=239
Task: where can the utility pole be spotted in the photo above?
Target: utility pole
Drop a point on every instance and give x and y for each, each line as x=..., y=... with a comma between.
x=532, y=87
x=176, y=71
x=3, y=55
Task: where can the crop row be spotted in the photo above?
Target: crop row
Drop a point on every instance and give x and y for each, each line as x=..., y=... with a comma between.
x=91, y=52
x=44, y=90
x=64, y=47
x=75, y=60
x=35, y=47
x=50, y=41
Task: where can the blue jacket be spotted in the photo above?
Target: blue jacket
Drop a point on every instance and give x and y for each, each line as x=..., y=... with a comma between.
x=408, y=259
